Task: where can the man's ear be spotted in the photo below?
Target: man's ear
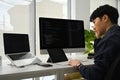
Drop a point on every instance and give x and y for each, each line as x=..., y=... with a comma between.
x=105, y=18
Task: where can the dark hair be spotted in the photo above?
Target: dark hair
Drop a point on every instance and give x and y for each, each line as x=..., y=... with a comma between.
x=108, y=10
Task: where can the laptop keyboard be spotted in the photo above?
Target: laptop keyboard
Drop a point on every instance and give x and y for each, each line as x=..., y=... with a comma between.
x=20, y=56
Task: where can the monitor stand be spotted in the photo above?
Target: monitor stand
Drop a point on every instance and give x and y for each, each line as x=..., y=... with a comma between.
x=49, y=60
x=56, y=55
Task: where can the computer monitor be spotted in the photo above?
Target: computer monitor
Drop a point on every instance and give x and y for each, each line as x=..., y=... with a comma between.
x=66, y=34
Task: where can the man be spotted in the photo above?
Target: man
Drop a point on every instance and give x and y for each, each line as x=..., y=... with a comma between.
x=106, y=46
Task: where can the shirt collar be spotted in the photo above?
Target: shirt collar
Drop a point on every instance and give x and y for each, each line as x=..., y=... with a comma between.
x=112, y=29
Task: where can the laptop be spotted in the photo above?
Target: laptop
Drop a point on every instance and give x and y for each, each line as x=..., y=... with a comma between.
x=57, y=56
x=17, y=49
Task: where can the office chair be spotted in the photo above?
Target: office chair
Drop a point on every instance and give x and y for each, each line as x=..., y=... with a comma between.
x=114, y=72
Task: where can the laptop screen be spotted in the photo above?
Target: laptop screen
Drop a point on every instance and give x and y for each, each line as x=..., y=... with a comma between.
x=15, y=43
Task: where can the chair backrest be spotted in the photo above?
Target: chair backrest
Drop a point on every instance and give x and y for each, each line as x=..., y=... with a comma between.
x=114, y=72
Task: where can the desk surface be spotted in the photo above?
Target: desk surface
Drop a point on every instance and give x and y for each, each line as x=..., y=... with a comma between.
x=8, y=72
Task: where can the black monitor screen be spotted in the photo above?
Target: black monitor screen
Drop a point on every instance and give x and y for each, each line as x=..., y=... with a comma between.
x=61, y=33
x=15, y=43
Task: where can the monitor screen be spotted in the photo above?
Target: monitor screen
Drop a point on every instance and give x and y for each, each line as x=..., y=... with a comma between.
x=61, y=33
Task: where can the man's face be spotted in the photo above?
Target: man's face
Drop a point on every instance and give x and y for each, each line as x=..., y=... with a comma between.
x=99, y=27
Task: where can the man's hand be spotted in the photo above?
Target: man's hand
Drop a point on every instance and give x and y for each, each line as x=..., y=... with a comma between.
x=74, y=63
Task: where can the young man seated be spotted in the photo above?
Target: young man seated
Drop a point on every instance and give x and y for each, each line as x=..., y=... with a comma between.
x=106, y=45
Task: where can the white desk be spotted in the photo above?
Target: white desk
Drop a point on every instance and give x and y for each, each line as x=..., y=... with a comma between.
x=8, y=72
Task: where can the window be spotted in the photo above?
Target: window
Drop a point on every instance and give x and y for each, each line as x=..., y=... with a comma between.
x=15, y=17
x=49, y=8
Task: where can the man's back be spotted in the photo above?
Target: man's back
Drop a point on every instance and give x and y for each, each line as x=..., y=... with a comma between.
x=114, y=71
x=107, y=49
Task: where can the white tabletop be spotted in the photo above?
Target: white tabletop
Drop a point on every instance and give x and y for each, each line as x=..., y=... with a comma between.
x=8, y=72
